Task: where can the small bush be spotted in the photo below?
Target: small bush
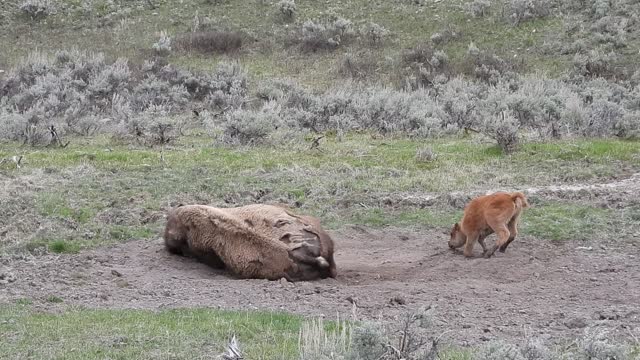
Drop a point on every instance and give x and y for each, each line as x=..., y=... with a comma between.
x=595, y=345
x=287, y=9
x=486, y=67
x=503, y=128
x=520, y=11
x=497, y=350
x=163, y=46
x=251, y=127
x=478, y=8
x=358, y=66
x=594, y=64
x=154, y=126
x=210, y=42
x=373, y=33
x=368, y=342
x=536, y=350
x=30, y=129
x=37, y=9
x=317, y=36
x=317, y=343
x=425, y=155
x=444, y=36
x=423, y=65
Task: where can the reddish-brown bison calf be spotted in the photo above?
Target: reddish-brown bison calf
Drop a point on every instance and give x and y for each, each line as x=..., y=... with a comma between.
x=484, y=215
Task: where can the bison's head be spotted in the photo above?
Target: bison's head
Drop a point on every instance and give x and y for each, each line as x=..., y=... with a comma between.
x=175, y=233
x=457, y=238
x=310, y=264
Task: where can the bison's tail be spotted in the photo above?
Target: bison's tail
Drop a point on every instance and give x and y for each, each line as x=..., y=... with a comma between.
x=520, y=199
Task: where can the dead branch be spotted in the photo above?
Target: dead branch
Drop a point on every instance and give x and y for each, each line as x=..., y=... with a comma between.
x=315, y=144
x=55, y=138
x=15, y=159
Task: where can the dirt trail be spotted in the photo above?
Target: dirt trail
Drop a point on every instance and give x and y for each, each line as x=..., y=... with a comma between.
x=616, y=194
x=552, y=291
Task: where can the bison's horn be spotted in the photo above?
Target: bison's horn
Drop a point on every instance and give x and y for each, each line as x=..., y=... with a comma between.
x=322, y=262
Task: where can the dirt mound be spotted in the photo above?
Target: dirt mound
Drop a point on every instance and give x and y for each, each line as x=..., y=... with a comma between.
x=382, y=272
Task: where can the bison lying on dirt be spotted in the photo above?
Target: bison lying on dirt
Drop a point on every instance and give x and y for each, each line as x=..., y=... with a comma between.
x=484, y=215
x=255, y=241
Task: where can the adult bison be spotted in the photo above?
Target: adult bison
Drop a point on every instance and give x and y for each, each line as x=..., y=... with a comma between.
x=254, y=241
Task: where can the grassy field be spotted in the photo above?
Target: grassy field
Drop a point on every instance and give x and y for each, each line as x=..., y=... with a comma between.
x=100, y=191
x=128, y=334
x=120, y=29
x=165, y=334
x=96, y=192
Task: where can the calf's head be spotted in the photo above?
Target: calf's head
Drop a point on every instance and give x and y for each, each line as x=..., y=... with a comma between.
x=457, y=238
x=175, y=232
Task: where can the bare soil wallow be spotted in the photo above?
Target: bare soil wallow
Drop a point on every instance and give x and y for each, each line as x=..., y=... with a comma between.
x=536, y=287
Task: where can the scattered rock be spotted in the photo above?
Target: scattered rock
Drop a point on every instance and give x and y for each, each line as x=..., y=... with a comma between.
x=120, y=341
x=7, y=277
x=115, y=272
x=606, y=315
x=397, y=300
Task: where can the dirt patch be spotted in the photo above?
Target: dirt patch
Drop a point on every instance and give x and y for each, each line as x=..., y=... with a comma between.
x=537, y=288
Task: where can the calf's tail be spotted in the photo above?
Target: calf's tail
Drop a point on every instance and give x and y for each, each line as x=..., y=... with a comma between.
x=520, y=200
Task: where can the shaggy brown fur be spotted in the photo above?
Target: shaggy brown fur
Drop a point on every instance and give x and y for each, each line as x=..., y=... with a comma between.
x=243, y=240
x=484, y=215
x=277, y=221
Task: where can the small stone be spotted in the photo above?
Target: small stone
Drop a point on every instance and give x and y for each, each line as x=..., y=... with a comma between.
x=115, y=272
x=7, y=277
x=397, y=300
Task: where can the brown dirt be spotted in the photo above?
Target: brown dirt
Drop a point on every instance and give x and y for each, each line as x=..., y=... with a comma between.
x=534, y=288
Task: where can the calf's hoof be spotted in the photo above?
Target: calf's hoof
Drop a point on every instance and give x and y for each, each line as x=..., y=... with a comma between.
x=489, y=253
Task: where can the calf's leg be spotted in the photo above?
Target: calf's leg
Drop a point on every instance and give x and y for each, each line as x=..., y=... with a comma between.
x=513, y=230
x=503, y=237
x=468, y=246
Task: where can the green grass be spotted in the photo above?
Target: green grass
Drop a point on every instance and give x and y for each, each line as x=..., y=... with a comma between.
x=97, y=192
x=378, y=217
x=140, y=334
x=559, y=221
x=133, y=334
x=132, y=34
x=62, y=246
x=24, y=301
x=54, y=299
